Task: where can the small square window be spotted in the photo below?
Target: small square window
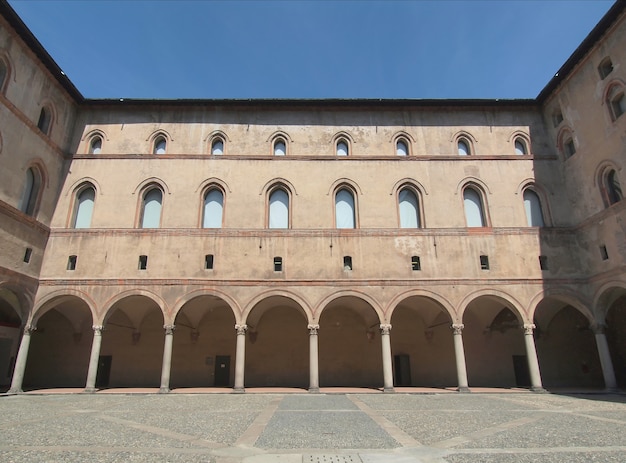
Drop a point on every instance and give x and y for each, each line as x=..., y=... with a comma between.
x=347, y=263
x=208, y=262
x=484, y=262
x=415, y=263
x=278, y=264
x=71, y=262
x=543, y=262
x=604, y=253
x=143, y=262
x=557, y=118
x=27, y=254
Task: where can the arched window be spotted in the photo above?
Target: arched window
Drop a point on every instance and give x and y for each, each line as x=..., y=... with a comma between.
x=344, y=209
x=534, y=212
x=45, y=119
x=280, y=147
x=160, y=145
x=402, y=147
x=217, y=146
x=84, y=207
x=213, y=209
x=342, y=148
x=521, y=148
x=409, y=209
x=605, y=67
x=4, y=74
x=30, y=194
x=612, y=190
x=474, y=210
x=95, y=145
x=464, y=147
x=151, y=208
x=278, y=209
x=616, y=102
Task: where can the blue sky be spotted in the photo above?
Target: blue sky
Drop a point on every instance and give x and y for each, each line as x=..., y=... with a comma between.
x=310, y=49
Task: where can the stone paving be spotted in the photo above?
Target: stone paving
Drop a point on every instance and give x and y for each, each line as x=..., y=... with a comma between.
x=313, y=428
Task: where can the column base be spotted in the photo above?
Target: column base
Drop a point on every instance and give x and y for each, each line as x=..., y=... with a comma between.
x=90, y=390
x=239, y=390
x=463, y=389
x=15, y=391
x=389, y=390
x=164, y=390
x=538, y=390
x=314, y=390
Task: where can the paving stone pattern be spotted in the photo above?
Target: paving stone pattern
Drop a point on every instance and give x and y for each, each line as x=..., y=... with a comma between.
x=313, y=428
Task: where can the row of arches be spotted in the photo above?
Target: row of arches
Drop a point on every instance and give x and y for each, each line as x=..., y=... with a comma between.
x=342, y=143
x=277, y=334
x=279, y=204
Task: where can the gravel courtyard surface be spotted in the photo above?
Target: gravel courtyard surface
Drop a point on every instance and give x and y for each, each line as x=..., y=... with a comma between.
x=329, y=428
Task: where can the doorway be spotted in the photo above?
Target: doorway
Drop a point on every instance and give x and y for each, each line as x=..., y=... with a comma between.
x=402, y=370
x=104, y=371
x=222, y=370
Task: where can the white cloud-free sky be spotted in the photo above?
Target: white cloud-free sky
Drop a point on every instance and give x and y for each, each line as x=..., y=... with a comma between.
x=310, y=49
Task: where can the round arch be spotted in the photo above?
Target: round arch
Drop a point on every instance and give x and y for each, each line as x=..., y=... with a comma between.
x=45, y=304
x=515, y=305
x=110, y=303
x=181, y=301
x=300, y=301
x=442, y=301
x=326, y=301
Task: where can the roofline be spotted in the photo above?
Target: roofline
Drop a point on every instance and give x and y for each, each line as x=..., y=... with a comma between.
x=335, y=102
x=36, y=47
x=585, y=47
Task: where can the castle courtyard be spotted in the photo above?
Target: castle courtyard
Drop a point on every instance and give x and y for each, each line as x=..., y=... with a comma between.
x=443, y=427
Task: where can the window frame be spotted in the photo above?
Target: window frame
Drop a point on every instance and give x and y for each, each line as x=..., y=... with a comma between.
x=6, y=63
x=29, y=203
x=615, y=101
x=144, y=193
x=542, y=210
x=270, y=191
x=82, y=188
x=355, y=207
x=214, y=140
x=419, y=212
x=484, y=211
x=278, y=140
x=158, y=139
x=605, y=67
x=45, y=120
x=94, y=138
x=610, y=196
x=402, y=140
x=525, y=145
x=464, y=139
x=205, y=193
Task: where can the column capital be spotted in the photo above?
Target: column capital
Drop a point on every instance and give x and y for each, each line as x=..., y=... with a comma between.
x=313, y=329
x=241, y=329
x=457, y=328
x=97, y=329
x=385, y=328
x=28, y=329
x=169, y=329
x=598, y=328
x=529, y=328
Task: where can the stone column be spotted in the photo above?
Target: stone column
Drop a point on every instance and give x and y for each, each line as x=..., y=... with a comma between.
x=533, y=362
x=20, y=362
x=459, y=353
x=166, y=369
x=314, y=376
x=387, y=368
x=605, y=356
x=92, y=373
x=240, y=360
